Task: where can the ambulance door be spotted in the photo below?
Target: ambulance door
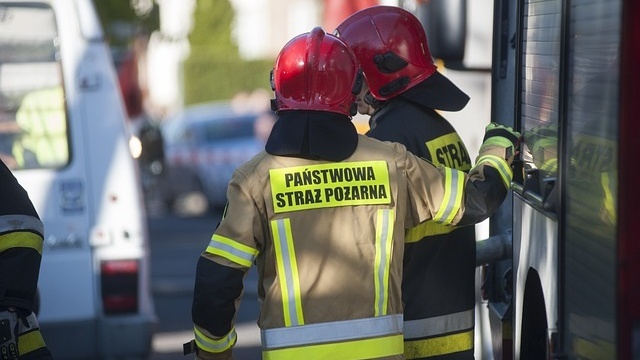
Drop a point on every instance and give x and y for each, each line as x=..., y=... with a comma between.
x=41, y=141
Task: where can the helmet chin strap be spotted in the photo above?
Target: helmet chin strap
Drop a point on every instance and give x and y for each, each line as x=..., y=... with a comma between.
x=369, y=99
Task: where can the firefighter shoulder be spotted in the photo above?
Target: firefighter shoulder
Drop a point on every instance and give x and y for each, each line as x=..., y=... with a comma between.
x=21, y=241
x=322, y=214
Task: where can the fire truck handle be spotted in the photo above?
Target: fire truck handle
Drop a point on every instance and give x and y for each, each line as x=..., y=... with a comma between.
x=494, y=249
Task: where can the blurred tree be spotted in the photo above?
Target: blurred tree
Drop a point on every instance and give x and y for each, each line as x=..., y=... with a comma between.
x=211, y=34
x=122, y=20
x=214, y=69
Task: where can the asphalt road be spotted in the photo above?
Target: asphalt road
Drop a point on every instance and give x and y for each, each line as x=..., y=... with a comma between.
x=176, y=244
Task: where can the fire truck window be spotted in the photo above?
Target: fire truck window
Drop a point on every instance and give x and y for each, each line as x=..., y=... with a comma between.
x=540, y=90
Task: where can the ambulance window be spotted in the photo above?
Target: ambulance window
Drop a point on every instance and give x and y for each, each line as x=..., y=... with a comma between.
x=539, y=96
x=33, y=120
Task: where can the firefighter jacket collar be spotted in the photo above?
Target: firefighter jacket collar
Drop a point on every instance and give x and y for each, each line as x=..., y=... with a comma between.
x=437, y=92
x=316, y=135
x=400, y=109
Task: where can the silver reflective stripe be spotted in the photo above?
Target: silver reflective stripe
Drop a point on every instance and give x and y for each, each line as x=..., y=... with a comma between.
x=451, y=202
x=20, y=222
x=414, y=329
x=332, y=331
x=290, y=291
x=383, y=249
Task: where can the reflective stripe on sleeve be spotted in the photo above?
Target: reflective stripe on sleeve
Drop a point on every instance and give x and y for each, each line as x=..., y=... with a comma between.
x=499, y=164
x=215, y=345
x=21, y=239
x=232, y=250
x=287, y=270
x=426, y=228
x=439, y=335
x=384, y=242
x=452, y=199
x=30, y=342
x=20, y=222
x=330, y=332
x=441, y=345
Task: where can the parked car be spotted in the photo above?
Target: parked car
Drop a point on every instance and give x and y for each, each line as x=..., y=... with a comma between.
x=203, y=145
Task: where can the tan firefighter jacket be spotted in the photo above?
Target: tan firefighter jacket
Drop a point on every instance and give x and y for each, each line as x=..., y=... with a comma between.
x=328, y=240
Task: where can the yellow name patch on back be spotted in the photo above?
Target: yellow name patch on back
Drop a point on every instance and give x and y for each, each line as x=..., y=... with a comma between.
x=330, y=185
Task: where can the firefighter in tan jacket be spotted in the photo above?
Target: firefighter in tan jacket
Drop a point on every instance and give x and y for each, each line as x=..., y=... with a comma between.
x=322, y=213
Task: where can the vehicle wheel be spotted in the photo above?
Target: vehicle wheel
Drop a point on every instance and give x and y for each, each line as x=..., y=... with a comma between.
x=534, y=344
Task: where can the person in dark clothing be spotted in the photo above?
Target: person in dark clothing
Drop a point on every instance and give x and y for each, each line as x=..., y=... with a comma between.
x=21, y=239
x=405, y=92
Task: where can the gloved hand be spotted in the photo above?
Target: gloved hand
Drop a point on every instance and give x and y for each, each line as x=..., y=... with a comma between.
x=20, y=336
x=502, y=138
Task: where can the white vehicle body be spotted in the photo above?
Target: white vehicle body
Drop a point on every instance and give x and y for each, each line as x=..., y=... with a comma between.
x=95, y=299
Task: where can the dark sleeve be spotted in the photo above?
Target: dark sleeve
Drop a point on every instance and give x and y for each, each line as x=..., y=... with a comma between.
x=14, y=199
x=482, y=197
x=216, y=290
x=21, y=241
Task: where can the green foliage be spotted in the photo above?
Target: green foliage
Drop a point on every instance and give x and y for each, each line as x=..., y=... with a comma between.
x=219, y=78
x=214, y=70
x=212, y=27
x=120, y=21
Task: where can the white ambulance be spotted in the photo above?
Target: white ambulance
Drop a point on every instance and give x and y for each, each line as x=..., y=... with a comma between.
x=63, y=133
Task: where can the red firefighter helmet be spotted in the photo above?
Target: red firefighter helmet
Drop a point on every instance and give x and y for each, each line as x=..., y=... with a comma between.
x=316, y=71
x=392, y=48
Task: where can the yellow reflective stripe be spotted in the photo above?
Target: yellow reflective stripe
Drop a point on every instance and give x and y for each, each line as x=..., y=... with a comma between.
x=348, y=350
x=21, y=239
x=330, y=185
x=20, y=222
x=427, y=228
x=30, y=341
x=452, y=199
x=498, y=141
x=215, y=345
x=384, y=242
x=288, y=276
x=499, y=164
x=232, y=250
x=417, y=349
